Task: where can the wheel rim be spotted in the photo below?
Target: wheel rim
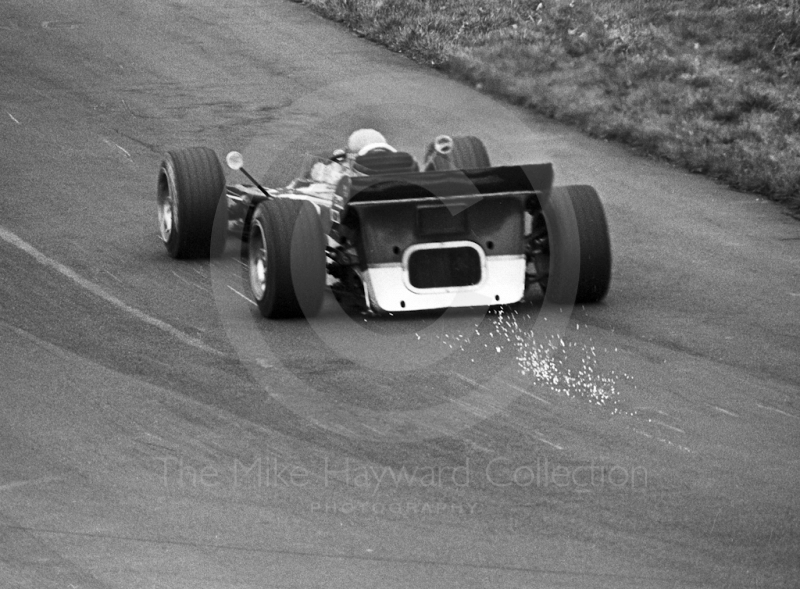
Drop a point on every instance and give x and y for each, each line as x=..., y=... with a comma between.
x=257, y=261
x=165, y=220
x=167, y=209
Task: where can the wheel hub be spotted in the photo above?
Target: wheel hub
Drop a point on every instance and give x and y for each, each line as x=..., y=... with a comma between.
x=165, y=220
x=167, y=204
x=258, y=263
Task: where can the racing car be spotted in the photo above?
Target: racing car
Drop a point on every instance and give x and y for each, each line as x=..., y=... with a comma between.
x=387, y=233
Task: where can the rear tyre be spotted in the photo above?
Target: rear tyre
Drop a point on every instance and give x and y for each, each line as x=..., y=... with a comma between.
x=286, y=259
x=468, y=153
x=192, y=209
x=579, y=246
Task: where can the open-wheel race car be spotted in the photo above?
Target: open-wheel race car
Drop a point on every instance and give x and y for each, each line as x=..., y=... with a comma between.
x=388, y=234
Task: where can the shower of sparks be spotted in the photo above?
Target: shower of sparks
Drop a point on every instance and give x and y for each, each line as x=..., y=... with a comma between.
x=565, y=367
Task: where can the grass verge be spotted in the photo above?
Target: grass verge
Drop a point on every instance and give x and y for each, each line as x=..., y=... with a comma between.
x=710, y=85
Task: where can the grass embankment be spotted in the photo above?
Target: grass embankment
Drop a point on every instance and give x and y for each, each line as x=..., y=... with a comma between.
x=711, y=85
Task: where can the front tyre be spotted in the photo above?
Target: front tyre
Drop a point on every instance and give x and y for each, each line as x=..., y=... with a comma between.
x=578, y=245
x=192, y=208
x=286, y=258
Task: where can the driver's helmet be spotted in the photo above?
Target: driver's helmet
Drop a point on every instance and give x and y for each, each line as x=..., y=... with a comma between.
x=363, y=140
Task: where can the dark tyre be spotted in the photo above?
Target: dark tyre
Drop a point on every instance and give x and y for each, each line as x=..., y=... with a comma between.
x=286, y=258
x=192, y=208
x=578, y=245
x=467, y=153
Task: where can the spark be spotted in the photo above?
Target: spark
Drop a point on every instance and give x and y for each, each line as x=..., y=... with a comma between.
x=566, y=367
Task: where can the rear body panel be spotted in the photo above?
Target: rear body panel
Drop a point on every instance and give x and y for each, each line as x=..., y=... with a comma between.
x=502, y=283
x=443, y=252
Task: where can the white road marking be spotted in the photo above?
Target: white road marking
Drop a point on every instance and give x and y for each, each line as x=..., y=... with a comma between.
x=118, y=146
x=776, y=410
x=725, y=411
x=17, y=484
x=56, y=24
x=481, y=412
x=377, y=431
x=96, y=290
x=659, y=411
x=523, y=391
x=668, y=426
x=342, y=430
x=248, y=299
x=13, y=118
x=663, y=441
x=190, y=282
x=541, y=438
x=113, y=276
x=469, y=381
x=476, y=446
x=472, y=409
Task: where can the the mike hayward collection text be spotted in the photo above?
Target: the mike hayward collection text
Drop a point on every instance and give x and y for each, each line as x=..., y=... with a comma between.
x=273, y=472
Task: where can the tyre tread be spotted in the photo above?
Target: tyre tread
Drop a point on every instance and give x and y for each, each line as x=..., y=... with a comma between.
x=587, y=252
x=202, y=218
x=468, y=153
x=595, y=277
x=289, y=259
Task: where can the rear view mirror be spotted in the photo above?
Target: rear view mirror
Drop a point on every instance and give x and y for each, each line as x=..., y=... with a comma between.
x=234, y=160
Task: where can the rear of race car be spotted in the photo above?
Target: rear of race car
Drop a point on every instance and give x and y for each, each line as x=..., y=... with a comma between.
x=430, y=240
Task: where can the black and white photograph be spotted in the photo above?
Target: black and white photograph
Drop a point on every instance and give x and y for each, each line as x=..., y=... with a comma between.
x=402, y=294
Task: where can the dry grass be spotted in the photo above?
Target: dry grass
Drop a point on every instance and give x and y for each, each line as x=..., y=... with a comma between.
x=712, y=85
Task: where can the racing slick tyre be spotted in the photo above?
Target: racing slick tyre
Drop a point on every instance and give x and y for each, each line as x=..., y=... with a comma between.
x=286, y=258
x=192, y=208
x=467, y=153
x=578, y=244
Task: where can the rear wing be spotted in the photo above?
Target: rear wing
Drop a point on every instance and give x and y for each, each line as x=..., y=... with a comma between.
x=485, y=206
x=447, y=184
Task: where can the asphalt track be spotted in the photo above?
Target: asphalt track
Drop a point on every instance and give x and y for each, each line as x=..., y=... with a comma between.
x=156, y=433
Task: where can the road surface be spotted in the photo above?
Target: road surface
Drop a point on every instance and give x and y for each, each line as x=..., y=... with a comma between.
x=156, y=433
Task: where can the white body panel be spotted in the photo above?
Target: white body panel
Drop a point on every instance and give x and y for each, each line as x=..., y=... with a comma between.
x=502, y=283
